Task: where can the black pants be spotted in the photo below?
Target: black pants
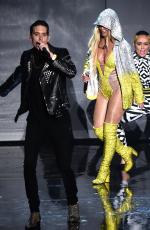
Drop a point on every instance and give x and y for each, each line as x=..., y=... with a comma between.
x=59, y=132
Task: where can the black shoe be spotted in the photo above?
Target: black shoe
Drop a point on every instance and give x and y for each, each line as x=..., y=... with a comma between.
x=34, y=221
x=74, y=226
x=73, y=213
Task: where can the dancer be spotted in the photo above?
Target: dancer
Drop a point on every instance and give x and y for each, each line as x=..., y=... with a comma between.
x=141, y=57
x=112, y=80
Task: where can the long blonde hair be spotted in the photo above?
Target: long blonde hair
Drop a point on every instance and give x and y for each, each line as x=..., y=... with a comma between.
x=93, y=46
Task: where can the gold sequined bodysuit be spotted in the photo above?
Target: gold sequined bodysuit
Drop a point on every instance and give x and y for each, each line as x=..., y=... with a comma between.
x=108, y=77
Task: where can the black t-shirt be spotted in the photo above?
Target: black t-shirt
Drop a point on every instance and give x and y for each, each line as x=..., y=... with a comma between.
x=37, y=107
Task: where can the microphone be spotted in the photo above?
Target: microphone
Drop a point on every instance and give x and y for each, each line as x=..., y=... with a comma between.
x=85, y=87
x=43, y=51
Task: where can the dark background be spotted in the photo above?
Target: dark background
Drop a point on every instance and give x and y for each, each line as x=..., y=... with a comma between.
x=71, y=25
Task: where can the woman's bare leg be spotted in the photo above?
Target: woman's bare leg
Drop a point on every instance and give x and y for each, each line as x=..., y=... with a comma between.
x=115, y=110
x=100, y=111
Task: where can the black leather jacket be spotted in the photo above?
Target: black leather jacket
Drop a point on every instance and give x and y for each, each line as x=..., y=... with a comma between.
x=52, y=80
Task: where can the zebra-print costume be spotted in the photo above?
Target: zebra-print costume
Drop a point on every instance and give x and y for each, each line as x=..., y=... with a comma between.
x=143, y=68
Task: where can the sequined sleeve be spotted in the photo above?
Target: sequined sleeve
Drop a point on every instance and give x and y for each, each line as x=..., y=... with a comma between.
x=86, y=66
x=137, y=89
x=135, y=79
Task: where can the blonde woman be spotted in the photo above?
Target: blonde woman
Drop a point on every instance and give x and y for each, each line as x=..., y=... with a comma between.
x=113, y=81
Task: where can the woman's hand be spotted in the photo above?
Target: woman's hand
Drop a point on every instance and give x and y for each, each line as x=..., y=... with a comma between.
x=85, y=78
x=141, y=105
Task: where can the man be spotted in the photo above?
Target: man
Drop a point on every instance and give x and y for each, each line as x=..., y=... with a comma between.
x=43, y=71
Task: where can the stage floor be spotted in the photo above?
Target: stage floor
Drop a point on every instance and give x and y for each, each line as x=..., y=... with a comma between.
x=104, y=207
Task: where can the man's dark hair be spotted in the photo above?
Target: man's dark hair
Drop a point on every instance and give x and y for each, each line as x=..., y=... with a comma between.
x=39, y=23
x=142, y=32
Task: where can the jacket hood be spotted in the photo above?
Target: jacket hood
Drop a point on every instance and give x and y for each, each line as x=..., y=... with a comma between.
x=109, y=19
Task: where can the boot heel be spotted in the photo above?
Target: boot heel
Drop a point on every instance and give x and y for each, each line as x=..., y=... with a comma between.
x=97, y=181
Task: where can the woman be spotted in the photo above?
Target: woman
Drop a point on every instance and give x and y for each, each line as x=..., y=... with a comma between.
x=141, y=58
x=112, y=79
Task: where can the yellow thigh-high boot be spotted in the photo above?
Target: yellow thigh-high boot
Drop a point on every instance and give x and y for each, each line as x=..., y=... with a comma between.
x=124, y=151
x=99, y=133
x=110, y=136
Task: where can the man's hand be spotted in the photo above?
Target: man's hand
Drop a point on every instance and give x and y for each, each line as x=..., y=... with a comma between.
x=45, y=47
